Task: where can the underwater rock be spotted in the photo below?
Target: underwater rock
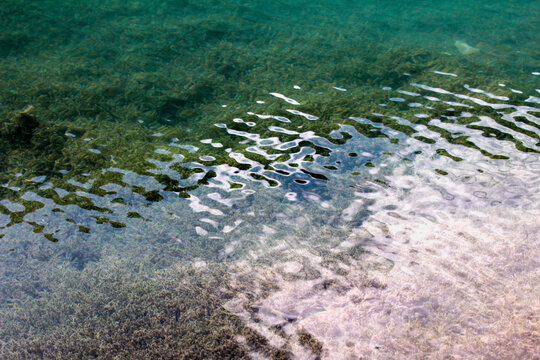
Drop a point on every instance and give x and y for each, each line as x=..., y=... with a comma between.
x=465, y=49
x=22, y=127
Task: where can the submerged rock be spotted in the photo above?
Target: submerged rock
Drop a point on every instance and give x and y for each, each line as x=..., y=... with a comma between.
x=465, y=49
x=21, y=128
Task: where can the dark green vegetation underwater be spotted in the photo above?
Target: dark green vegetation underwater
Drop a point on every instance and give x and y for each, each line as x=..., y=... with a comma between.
x=108, y=75
x=95, y=68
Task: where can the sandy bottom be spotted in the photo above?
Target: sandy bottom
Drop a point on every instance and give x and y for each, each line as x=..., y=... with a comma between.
x=440, y=275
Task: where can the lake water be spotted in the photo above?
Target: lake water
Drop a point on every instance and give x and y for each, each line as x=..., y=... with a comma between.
x=269, y=179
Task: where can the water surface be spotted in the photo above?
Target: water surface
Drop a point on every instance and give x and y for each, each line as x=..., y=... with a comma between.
x=231, y=179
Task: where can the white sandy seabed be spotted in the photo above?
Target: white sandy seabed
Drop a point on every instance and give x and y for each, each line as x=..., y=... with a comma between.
x=451, y=268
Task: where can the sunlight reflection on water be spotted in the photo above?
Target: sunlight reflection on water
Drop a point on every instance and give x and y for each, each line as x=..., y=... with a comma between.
x=430, y=224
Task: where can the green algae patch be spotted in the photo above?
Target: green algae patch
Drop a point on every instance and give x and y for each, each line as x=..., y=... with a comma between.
x=441, y=172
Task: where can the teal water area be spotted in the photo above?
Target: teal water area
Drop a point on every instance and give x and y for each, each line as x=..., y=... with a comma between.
x=269, y=179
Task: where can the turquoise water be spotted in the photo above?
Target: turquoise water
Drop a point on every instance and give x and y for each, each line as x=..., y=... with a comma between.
x=283, y=180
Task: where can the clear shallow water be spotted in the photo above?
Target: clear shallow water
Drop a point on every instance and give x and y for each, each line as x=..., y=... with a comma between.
x=334, y=180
